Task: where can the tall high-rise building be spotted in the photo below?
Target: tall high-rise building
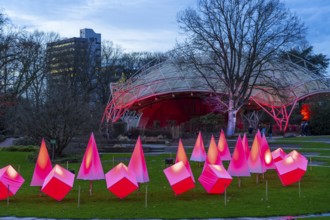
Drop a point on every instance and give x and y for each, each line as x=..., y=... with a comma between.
x=74, y=56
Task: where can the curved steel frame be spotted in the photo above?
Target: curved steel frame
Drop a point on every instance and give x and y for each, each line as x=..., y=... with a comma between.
x=144, y=86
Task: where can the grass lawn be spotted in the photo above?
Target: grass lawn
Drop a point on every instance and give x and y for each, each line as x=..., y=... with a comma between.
x=248, y=200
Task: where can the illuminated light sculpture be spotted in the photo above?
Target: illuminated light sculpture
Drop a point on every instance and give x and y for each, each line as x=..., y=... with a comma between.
x=213, y=155
x=223, y=147
x=246, y=148
x=179, y=178
x=91, y=166
x=255, y=162
x=43, y=166
x=305, y=111
x=292, y=168
x=278, y=154
x=58, y=183
x=198, y=153
x=121, y=181
x=238, y=165
x=215, y=179
x=10, y=182
x=266, y=154
x=137, y=164
x=181, y=156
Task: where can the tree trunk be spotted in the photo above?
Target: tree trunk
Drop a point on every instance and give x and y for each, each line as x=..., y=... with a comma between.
x=231, y=119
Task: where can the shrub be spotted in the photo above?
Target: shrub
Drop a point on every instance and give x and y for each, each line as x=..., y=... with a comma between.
x=320, y=119
x=28, y=148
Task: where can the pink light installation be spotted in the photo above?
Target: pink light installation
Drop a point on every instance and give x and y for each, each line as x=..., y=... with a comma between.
x=215, y=179
x=198, y=153
x=223, y=147
x=238, y=165
x=137, y=163
x=10, y=182
x=255, y=162
x=278, y=154
x=181, y=156
x=58, y=183
x=43, y=166
x=121, y=181
x=179, y=178
x=292, y=168
x=91, y=166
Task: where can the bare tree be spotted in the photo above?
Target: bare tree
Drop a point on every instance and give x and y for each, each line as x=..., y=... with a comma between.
x=235, y=42
x=61, y=117
x=110, y=71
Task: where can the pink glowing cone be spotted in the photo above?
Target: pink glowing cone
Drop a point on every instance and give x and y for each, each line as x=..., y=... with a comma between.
x=181, y=156
x=213, y=155
x=238, y=165
x=43, y=166
x=246, y=148
x=137, y=163
x=91, y=166
x=292, y=168
x=198, y=153
x=223, y=147
x=266, y=154
x=10, y=182
x=278, y=154
x=255, y=162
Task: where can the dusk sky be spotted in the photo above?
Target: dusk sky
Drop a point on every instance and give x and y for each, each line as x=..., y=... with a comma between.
x=142, y=25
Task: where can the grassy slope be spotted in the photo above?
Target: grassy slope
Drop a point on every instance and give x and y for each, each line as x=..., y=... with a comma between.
x=249, y=200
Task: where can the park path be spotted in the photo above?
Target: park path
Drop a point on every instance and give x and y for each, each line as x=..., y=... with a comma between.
x=8, y=142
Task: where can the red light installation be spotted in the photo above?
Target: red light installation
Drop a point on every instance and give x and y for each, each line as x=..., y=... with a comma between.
x=305, y=111
x=179, y=178
x=43, y=166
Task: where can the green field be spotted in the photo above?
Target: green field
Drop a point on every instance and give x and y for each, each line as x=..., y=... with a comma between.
x=247, y=200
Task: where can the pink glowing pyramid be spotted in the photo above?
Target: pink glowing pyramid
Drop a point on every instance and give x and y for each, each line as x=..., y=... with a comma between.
x=10, y=182
x=266, y=154
x=198, y=153
x=137, y=163
x=255, y=162
x=238, y=165
x=181, y=156
x=179, y=178
x=58, y=183
x=246, y=148
x=292, y=168
x=223, y=147
x=215, y=179
x=43, y=166
x=91, y=166
x=278, y=154
x=213, y=155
